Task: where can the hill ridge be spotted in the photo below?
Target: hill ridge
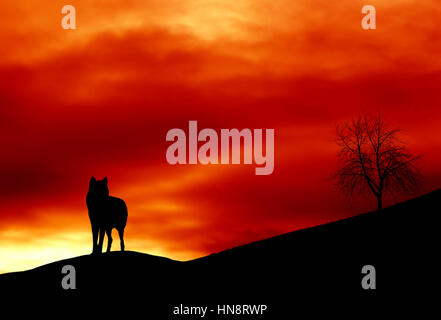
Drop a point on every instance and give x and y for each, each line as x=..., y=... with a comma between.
x=279, y=237
x=318, y=263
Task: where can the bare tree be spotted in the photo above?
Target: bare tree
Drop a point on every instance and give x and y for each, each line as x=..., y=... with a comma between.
x=373, y=158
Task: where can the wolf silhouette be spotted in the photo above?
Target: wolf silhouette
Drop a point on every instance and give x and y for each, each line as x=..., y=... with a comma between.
x=105, y=213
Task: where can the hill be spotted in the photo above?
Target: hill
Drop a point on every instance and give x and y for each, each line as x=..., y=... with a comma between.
x=322, y=263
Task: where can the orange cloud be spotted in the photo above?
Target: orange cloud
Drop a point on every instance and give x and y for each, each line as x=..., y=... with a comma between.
x=99, y=100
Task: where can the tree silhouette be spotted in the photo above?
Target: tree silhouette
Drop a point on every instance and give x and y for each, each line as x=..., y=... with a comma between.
x=373, y=158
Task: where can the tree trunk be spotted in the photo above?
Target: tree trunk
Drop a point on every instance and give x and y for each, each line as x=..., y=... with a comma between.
x=380, y=202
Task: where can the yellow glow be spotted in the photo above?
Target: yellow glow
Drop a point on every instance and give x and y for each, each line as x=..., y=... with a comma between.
x=24, y=255
x=211, y=19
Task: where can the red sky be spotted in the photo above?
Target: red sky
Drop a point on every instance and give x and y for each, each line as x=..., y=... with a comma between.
x=100, y=99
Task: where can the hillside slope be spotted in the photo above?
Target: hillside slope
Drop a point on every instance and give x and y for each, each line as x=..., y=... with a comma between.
x=320, y=263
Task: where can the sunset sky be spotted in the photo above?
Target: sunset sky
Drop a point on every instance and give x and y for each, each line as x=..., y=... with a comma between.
x=99, y=100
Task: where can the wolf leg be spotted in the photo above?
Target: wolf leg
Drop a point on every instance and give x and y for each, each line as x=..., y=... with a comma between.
x=100, y=242
x=121, y=238
x=94, y=239
x=109, y=239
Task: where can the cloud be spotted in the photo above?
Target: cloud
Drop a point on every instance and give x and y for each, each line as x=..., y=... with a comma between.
x=100, y=101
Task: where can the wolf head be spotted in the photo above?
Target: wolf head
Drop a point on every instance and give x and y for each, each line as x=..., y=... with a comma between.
x=98, y=188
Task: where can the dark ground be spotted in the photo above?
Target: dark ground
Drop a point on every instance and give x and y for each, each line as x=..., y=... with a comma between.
x=313, y=270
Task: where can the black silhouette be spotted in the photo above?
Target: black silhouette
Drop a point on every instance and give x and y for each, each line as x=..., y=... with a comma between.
x=373, y=158
x=310, y=268
x=105, y=213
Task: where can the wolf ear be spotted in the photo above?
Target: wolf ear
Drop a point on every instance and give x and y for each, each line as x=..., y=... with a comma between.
x=105, y=180
x=92, y=180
